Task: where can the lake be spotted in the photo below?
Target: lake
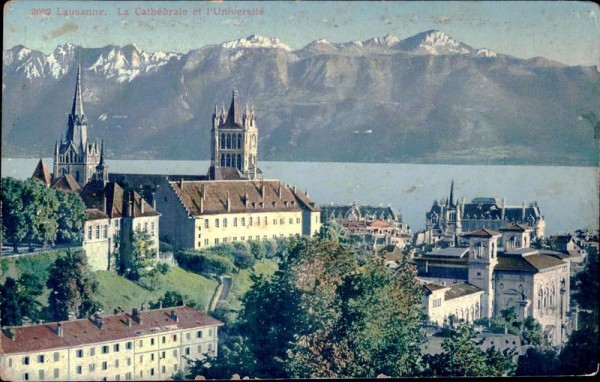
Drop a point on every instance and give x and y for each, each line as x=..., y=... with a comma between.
x=567, y=196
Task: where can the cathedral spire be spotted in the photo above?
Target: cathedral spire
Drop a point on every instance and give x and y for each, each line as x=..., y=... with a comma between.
x=77, y=108
x=77, y=130
x=233, y=116
x=102, y=154
x=451, y=200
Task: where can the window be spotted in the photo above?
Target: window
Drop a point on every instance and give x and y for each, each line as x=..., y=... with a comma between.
x=56, y=373
x=117, y=377
x=79, y=353
x=116, y=347
x=235, y=238
x=152, y=228
x=175, y=367
x=210, y=332
x=187, y=351
x=164, y=369
x=41, y=358
x=41, y=374
x=105, y=231
x=224, y=240
x=128, y=375
x=26, y=376
x=235, y=222
x=92, y=367
x=152, y=371
x=79, y=370
x=116, y=363
x=217, y=223
x=210, y=348
x=89, y=232
x=250, y=220
x=138, y=227
x=164, y=339
x=437, y=302
x=129, y=361
x=174, y=337
x=274, y=221
x=243, y=222
x=56, y=356
x=206, y=224
x=243, y=238
x=146, y=226
x=104, y=365
x=141, y=343
x=297, y=220
x=200, y=349
x=141, y=358
x=163, y=355
x=129, y=345
x=97, y=232
x=152, y=357
x=105, y=349
x=151, y=341
x=198, y=334
x=205, y=241
x=225, y=222
x=188, y=335
x=216, y=241
x=92, y=351
x=174, y=352
x=291, y=220
x=265, y=220
x=282, y=221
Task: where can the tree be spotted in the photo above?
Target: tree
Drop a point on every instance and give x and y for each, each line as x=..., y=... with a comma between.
x=14, y=226
x=531, y=332
x=71, y=217
x=41, y=204
x=18, y=299
x=462, y=357
x=10, y=304
x=537, y=361
x=72, y=287
x=143, y=255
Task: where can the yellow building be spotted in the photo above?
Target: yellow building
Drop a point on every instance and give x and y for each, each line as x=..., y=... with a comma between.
x=200, y=214
x=148, y=345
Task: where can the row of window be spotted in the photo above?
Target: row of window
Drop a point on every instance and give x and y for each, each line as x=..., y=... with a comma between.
x=97, y=229
x=151, y=231
x=251, y=221
x=225, y=240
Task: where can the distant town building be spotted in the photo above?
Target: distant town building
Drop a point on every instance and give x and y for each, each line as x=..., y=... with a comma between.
x=378, y=226
x=143, y=345
x=447, y=219
x=112, y=214
x=535, y=282
x=234, y=203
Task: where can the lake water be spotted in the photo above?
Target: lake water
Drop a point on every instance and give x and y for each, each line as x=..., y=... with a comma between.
x=567, y=196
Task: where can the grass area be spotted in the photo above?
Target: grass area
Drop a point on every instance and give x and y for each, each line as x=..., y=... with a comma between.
x=241, y=282
x=116, y=291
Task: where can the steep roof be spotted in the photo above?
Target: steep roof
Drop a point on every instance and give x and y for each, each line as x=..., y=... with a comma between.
x=117, y=200
x=34, y=338
x=66, y=183
x=42, y=174
x=94, y=214
x=459, y=290
x=211, y=197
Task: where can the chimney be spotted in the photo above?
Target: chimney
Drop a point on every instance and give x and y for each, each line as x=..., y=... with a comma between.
x=174, y=316
x=181, y=183
x=141, y=205
x=262, y=190
x=59, y=329
x=128, y=322
x=306, y=193
x=135, y=315
x=154, y=200
x=104, y=204
x=228, y=202
x=523, y=212
x=279, y=191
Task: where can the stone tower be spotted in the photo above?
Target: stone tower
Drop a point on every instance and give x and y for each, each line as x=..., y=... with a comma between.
x=75, y=155
x=234, y=143
x=483, y=258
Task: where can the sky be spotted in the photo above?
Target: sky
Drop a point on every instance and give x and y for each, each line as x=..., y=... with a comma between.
x=567, y=32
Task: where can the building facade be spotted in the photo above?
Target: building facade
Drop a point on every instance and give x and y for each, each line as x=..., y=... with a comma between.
x=200, y=214
x=147, y=345
x=448, y=218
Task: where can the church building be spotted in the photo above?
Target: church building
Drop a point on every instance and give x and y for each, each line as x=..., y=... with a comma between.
x=112, y=214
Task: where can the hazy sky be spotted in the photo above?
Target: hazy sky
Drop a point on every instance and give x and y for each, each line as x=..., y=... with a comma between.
x=564, y=31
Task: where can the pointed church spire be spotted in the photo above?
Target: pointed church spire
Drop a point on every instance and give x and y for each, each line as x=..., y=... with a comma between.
x=77, y=108
x=233, y=116
x=101, y=154
x=451, y=200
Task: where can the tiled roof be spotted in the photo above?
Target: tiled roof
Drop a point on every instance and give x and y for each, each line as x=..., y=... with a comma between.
x=116, y=200
x=516, y=228
x=431, y=287
x=211, y=197
x=530, y=263
x=367, y=212
x=66, y=183
x=490, y=209
x=484, y=232
x=459, y=290
x=84, y=332
x=42, y=174
x=94, y=214
x=380, y=224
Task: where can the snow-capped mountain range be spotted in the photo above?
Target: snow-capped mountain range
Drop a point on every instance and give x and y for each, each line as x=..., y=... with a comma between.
x=426, y=98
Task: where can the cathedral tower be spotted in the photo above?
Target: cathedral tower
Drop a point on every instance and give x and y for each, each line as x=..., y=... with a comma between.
x=234, y=143
x=75, y=155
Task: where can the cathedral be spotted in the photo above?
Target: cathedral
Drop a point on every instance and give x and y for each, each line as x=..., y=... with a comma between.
x=112, y=214
x=234, y=143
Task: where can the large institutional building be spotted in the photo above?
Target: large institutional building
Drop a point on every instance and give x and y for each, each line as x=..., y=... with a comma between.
x=235, y=204
x=497, y=271
x=112, y=214
x=447, y=219
x=146, y=345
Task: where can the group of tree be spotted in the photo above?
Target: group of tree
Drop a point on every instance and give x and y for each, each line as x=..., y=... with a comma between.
x=328, y=313
x=18, y=300
x=137, y=255
x=33, y=213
